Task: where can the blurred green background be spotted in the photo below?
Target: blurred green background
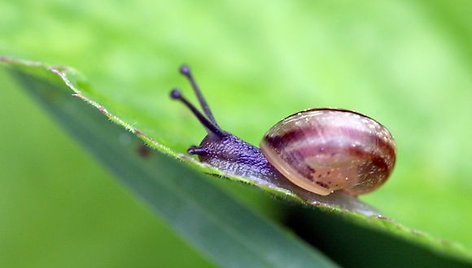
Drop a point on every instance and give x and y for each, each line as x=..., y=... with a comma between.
x=406, y=63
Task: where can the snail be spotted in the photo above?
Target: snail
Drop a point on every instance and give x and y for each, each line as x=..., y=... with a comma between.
x=320, y=150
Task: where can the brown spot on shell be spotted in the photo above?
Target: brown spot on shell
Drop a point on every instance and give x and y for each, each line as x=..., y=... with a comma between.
x=322, y=184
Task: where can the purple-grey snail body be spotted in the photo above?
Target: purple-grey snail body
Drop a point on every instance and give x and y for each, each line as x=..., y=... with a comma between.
x=320, y=150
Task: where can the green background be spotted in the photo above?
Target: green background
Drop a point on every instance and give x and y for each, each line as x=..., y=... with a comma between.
x=406, y=63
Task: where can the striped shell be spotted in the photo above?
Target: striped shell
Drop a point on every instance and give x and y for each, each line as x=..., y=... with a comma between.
x=324, y=150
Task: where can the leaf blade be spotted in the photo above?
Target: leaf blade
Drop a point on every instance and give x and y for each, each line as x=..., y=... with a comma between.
x=449, y=253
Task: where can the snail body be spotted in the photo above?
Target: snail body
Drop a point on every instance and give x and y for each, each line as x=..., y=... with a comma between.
x=319, y=150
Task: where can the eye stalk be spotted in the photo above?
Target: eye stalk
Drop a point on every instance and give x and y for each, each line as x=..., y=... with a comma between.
x=209, y=125
x=185, y=71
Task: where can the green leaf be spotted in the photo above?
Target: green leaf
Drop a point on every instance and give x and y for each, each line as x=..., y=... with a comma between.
x=344, y=228
x=229, y=233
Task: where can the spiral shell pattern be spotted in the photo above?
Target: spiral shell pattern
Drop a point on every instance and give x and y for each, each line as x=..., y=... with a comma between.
x=325, y=150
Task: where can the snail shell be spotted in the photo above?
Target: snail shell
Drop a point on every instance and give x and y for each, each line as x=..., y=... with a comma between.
x=324, y=150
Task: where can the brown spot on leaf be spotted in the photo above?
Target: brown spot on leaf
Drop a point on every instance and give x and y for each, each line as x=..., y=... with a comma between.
x=144, y=151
